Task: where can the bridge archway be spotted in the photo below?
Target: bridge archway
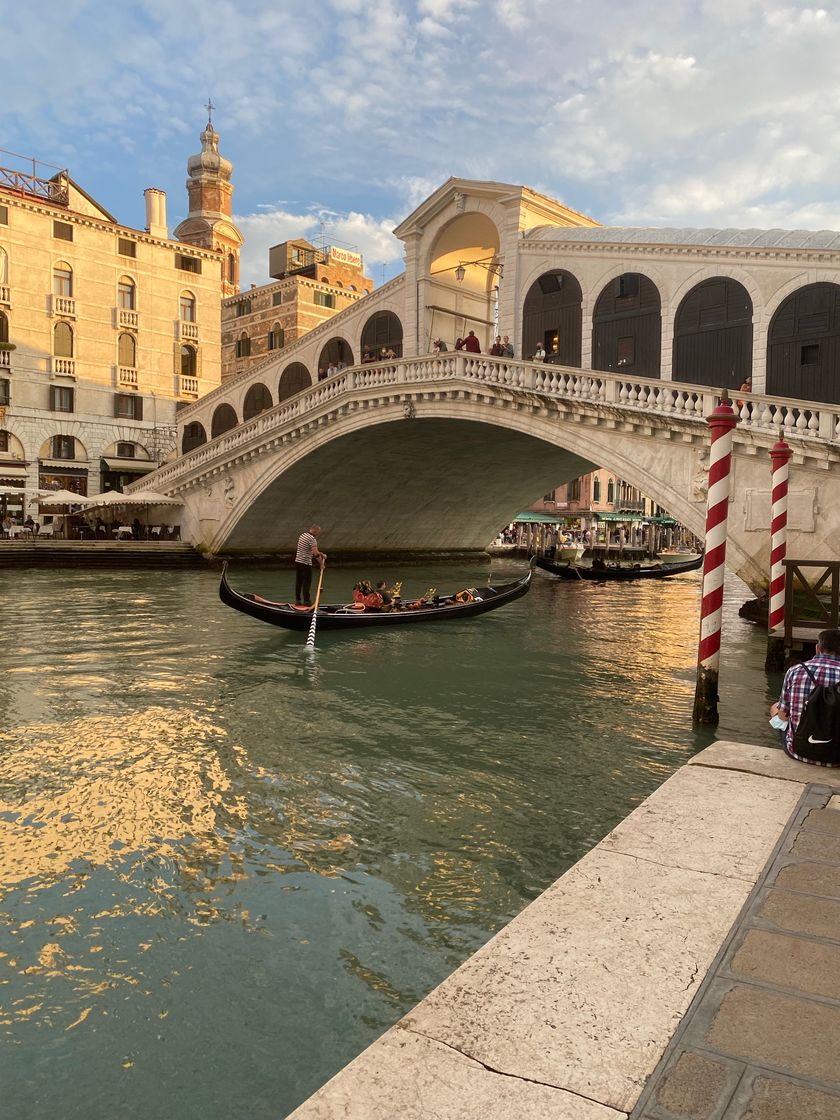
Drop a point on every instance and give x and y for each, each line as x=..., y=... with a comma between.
x=382, y=331
x=551, y=315
x=293, y=379
x=257, y=400
x=194, y=436
x=335, y=352
x=463, y=270
x=803, y=345
x=224, y=418
x=627, y=327
x=713, y=334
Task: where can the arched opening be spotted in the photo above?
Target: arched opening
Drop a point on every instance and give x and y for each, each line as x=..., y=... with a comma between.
x=186, y=307
x=4, y=266
x=188, y=361
x=276, y=337
x=464, y=276
x=224, y=418
x=63, y=280
x=126, y=294
x=194, y=436
x=257, y=400
x=551, y=316
x=4, y=327
x=627, y=327
x=383, y=332
x=127, y=351
x=63, y=340
x=243, y=346
x=803, y=345
x=293, y=379
x=335, y=353
x=231, y=269
x=713, y=335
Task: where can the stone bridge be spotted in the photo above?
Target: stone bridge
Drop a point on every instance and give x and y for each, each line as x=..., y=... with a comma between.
x=436, y=453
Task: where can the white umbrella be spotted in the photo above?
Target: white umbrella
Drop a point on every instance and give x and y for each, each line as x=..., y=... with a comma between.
x=64, y=498
x=152, y=498
x=109, y=498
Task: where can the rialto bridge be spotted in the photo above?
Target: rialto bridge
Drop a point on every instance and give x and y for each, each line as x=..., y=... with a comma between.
x=434, y=453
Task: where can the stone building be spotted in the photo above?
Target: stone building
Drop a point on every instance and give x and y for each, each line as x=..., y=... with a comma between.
x=309, y=286
x=104, y=330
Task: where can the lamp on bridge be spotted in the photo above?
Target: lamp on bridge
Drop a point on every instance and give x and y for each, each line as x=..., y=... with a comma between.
x=489, y=263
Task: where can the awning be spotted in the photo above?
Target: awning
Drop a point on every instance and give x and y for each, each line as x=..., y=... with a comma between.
x=11, y=472
x=65, y=466
x=130, y=466
x=621, y=517
x=541, y=518
x=661, y=521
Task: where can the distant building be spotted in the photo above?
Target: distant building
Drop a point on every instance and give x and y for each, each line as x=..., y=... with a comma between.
x=599, y=497
x=105, y=329
x=309, y=286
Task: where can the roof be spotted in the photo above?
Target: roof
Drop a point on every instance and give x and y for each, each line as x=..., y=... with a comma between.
x=662, y=235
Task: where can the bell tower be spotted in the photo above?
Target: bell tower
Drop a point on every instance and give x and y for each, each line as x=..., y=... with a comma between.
x=209, y=223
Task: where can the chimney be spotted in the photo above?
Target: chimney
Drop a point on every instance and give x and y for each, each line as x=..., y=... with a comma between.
x=156, y=212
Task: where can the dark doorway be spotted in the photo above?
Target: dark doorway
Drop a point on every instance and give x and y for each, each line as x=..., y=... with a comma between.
x=224, y=418
x=383, y=331
x=713, y=335
x=552, y=315
x=194, y=436
x=627, y=327
x=803, y=345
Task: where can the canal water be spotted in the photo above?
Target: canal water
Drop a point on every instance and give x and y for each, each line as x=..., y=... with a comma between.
x=227, y=866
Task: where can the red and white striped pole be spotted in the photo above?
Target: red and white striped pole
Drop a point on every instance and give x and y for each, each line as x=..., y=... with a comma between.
x=722, y=424
x=780, y=454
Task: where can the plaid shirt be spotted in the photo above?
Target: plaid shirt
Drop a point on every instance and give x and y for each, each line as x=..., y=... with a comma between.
x=796, y=689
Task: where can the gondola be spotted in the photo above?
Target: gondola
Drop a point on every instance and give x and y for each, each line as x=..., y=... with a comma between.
x=345, y=616
x=601, y=572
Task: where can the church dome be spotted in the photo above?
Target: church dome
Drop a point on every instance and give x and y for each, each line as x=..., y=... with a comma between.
x=208, y=160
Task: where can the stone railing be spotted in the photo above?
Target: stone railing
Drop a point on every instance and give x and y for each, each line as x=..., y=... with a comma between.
x=5, y=295
x=187, y=386
x=127, y=376
x=64, y=305
x=66, y=367
x=5, y=359
x=188, y=332
x=127, y=318
x=637, y=399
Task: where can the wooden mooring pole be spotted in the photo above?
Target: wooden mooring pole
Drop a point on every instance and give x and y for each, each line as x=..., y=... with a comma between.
x=780, y=454
x=722, y=425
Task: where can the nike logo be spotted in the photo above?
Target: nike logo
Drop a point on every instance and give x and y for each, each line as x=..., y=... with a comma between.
x=811, y=739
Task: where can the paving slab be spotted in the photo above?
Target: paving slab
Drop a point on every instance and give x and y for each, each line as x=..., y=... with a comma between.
x=407, y=1076
x=817, y=845
x=697, y=1087
x=822, y=820
x=769, y=1098
x=817, y=917
x=789, y=962
x=772, y=762
x=810, y=878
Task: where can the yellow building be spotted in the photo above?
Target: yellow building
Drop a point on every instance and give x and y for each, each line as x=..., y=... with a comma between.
x=104, y=329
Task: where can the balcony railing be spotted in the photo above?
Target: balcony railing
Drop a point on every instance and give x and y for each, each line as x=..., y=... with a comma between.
x=64, y=366
x=127, y=376
x=188, y=386
x=189, y=331
x=5, y=295
x=126, y=318
x=5, y=359
x=64, y=305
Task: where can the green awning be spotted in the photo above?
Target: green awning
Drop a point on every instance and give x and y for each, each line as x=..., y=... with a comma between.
x=541, y=518
x=661, y=521
x=621, y=517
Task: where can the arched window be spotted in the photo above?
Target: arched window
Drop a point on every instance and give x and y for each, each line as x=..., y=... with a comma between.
x=4, y=266
x=194, y=436
x=627, y=327
x=276, y=337
x=382, y=335
x=188, y=362
x=294, y=379
x=127, y=351
x=596, y=489
x=802, y=345
x=610, y=492
x=187, y=307
x=257, y=400
x=231, y=268
x=243, y=346
x=63, y=340
x=126, y=294
x=4, y=327
x=62, y=280
x=224, y=418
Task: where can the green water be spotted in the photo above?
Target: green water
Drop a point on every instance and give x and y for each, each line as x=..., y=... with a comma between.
x=226, y=867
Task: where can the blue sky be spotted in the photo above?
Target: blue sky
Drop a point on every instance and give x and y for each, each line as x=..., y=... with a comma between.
x=709, y=113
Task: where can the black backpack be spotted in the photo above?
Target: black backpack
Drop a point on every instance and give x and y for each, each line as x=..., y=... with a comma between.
x=817, y=737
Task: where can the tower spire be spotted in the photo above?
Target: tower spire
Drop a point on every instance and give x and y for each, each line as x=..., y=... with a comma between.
x=210, y=108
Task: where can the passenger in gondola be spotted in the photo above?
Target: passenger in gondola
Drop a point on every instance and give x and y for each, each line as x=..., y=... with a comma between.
x=384, y=594
x=365, y=597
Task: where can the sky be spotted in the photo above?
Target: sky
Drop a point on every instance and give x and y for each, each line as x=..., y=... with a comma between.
x=351, y=112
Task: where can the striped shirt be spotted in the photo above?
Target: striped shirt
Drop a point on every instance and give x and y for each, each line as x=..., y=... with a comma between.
x=796, y=689
x=305, y=547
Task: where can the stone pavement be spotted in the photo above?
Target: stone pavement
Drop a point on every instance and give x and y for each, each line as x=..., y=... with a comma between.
x=760, y=1041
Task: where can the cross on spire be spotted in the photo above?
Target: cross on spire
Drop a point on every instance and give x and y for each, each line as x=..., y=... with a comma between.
x=210, y=108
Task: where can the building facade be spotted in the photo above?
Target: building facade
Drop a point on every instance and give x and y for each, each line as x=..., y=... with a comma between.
x=309, y=285
x=104, y=331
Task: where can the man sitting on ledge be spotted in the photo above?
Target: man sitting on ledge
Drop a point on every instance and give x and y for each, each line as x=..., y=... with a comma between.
x=799, y=683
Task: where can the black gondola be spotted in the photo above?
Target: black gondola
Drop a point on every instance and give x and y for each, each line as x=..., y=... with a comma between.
x=601, y=572
x=348, y=617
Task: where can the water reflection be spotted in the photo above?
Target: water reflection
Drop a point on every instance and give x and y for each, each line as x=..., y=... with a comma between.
x=200, y=825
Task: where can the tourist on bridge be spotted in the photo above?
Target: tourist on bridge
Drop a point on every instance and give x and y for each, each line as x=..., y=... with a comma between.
x=496, y=349
x=539, y=353
x=459, y=344
x=507, y=347
x=472, y=344
x=799, y=683
x=307, y=551
x=439, y=346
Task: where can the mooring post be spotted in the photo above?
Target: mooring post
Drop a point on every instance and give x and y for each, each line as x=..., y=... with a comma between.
x=722, y=425
x=780, y=454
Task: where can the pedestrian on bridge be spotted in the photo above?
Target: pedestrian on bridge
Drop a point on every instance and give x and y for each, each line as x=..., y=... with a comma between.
x=307, y=551
x=472, y=344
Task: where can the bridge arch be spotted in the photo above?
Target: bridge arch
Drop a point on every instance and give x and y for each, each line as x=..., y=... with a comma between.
x=335, y=351
x=627, y=326
x=224, y=418
x=462, y=266
x=713, y=334
x=803, y=344
x=194, y=436
x=552, y=315
x=257, y=400
x=382, y=331
x=294, y=378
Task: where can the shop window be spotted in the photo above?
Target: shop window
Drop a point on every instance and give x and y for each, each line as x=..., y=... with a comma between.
x=63, y=447
x=63, y=231
x=61, y=399
x=126, y=247
x=128, y=407
x=63, y=340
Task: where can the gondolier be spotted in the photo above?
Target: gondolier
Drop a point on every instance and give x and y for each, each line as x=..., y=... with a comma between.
x=307, y=551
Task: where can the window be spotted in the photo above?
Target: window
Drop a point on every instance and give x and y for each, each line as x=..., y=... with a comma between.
x=231, y=268
x=126, y=451
x=324, y=299
x=276, y=337
x=4, y=327
x=187, y=361
x=61, y=399
x=277, y=298
x=128, y=407
x=625, y=353
x=810, y=354
x=610, y=492
x=243, y=307
x=548, y=497
x=126, y=294
x=4, y=266
x=126, y=247
x=127, y=351
x=63, y=340
x=187, y=264
x=574, y=491
x=627, y=285
x=5, y=395
x=243, y=346
x=596, y=489
x=4, y=441
x=63, y=280
x=63, y=447
x=4, y=215
x=63, y=230
x=187, y=307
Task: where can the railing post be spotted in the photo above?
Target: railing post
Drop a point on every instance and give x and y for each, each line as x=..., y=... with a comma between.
x=610, y=389
x=460, y=363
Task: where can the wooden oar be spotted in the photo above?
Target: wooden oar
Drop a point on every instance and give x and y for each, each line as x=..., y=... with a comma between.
x=310, y=641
